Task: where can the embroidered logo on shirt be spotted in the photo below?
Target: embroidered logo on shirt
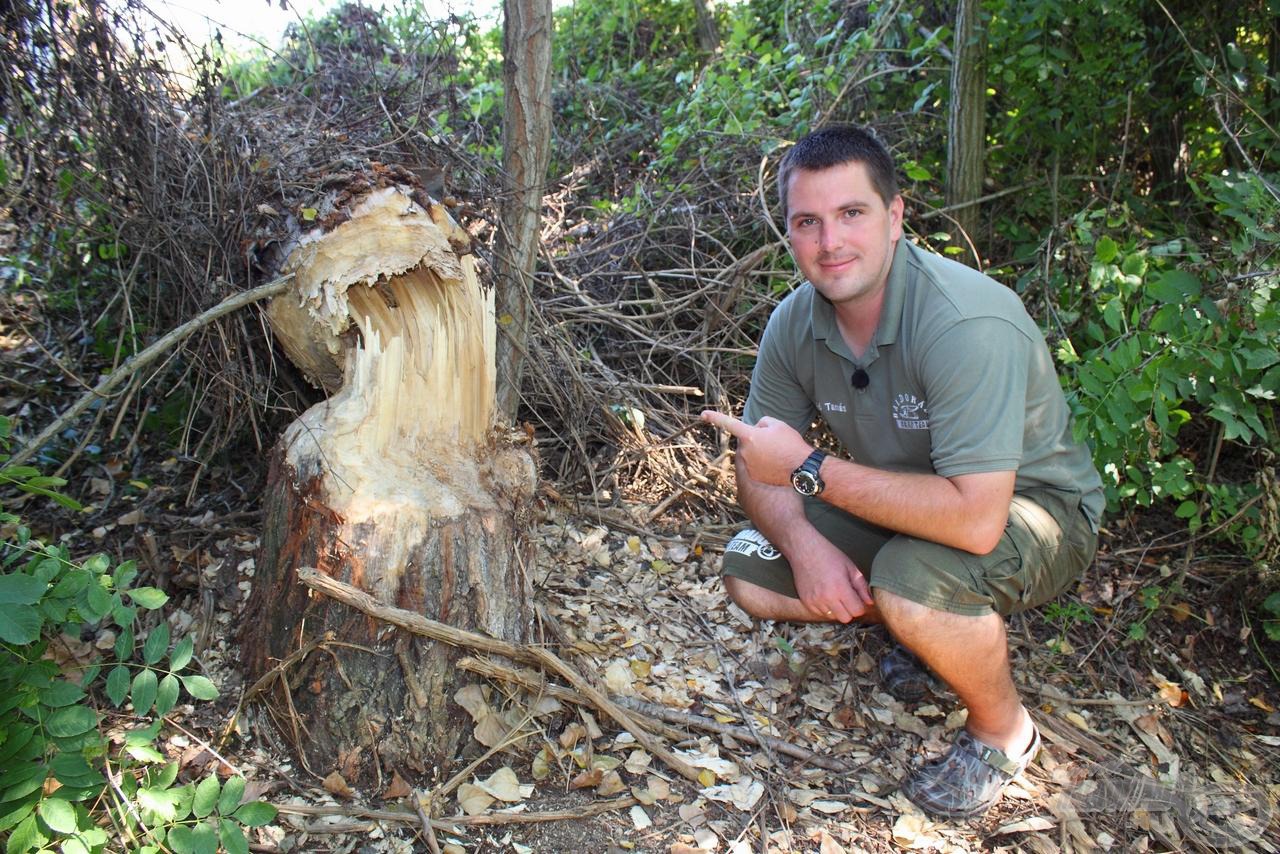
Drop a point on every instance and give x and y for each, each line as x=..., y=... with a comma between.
x=828, y=406
x=910, y=412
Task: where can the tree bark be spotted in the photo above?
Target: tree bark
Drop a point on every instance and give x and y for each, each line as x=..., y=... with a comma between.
x=708, y=33
x=526, y=147
x=401, y=484
x=967, y=125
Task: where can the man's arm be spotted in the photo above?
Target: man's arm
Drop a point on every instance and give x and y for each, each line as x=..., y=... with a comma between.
x=827, y=581
x=964, y=511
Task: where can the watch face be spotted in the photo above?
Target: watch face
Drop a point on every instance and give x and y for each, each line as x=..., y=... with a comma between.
x=804, y=482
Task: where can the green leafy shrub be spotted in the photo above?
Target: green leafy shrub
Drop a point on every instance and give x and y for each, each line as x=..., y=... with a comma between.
x=73, y=776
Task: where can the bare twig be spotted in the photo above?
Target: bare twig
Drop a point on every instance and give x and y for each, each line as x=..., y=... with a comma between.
x=449, y=824
x=146, y=357
x=420, y=625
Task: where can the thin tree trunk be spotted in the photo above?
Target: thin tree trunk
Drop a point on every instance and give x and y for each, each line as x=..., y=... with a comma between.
x=526, y=145
x=708, y=33
x=966, y=123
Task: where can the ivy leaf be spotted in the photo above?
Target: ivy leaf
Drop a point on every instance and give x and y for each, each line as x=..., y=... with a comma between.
x=1174, y=286
x=199, y=687
x=58, y=814
x=20, y=589
x=157, y=644
x=118, y=684
x=206, y=797
x=181, y=839
x=167, y=694
x=148, y=597
x=256, y=814
x=20, y=624
x=143, y=693
x=73, y=720
x=182, y=653
x=232, y=837
x=232, y=794
x=205, y=837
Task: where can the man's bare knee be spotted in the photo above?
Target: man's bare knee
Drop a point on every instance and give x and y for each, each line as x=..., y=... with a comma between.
x=745, y=595
x=901, y=614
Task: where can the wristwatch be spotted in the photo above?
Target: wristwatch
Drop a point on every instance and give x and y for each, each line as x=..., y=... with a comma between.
x=805, y=480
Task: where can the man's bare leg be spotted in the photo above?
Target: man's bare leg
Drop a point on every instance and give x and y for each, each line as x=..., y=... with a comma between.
x=970, y=654
x=766, y=604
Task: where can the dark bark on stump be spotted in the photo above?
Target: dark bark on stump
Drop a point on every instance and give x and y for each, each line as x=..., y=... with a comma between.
x=378, y=695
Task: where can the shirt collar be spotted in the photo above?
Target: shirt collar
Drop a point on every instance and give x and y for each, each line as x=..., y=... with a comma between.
x=824, y=315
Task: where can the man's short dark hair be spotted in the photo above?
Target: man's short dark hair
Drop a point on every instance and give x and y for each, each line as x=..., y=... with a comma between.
x=835, y=145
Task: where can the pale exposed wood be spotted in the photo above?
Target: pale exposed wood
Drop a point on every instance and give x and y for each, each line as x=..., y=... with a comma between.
x=421, y=625
x=137, y=362
x=401, y=483
x=526, y=152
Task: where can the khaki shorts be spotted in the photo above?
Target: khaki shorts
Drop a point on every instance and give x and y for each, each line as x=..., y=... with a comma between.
x=1047, y=544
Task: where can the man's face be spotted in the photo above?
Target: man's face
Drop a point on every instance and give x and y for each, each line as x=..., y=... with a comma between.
x=841, y=231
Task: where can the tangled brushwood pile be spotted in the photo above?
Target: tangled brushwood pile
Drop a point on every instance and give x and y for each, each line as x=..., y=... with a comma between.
x=191, y=195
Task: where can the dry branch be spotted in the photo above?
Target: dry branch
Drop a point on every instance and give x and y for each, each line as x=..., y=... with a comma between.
x=421, y=625
x=450, y=824
x=657, y=713
x=141, y=360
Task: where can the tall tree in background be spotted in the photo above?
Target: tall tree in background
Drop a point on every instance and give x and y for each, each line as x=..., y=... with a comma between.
x=966, y=122
x=526, y=151
x=708, y=33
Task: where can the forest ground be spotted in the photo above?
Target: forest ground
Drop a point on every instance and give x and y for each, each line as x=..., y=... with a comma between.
x=1155, y=701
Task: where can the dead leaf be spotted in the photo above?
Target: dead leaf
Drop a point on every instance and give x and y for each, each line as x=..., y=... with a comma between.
x=865, y=663
x=638, y=762
x=1260, y=703
x=133, y=517
x=827, y=845
x=684, y=848
x=910, y=723
x=1180, y=611
x=473, y=799
x=398, y=788
x=587, y=779
x=640, y=819
x=505, y=786
x=1061, y=805
x=491, y=731
x=541, y=767
x=572, y=733
x=471, y=698
x=1026, y=825
x=334, y=784
x=611, y=784
x=618, y=677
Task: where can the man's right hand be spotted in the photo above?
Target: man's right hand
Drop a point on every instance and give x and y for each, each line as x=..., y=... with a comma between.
x=830, y=584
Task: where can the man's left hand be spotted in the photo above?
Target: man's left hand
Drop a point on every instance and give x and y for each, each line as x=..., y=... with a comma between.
x=770, y=450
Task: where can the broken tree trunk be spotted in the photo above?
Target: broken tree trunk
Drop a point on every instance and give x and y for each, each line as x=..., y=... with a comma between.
x=400, y=484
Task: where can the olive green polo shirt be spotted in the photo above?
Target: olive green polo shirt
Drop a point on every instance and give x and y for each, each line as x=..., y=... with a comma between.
x=960, y=381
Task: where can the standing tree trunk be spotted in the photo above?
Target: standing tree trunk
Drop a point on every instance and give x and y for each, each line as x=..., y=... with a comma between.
x=526, y=152
x=967, y=125
x=708, y=33
x=399, y=484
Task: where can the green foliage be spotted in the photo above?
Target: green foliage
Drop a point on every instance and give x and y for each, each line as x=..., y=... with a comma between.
x=1161, y=338
x=55, y=753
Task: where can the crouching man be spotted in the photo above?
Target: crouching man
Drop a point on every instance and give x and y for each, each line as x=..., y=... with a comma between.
x=964, y=498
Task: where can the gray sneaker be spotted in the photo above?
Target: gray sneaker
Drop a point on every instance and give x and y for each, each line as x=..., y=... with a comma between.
x=968, y=780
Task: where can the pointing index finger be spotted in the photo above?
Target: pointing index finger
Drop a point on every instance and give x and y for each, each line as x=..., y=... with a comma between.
x=726, y=422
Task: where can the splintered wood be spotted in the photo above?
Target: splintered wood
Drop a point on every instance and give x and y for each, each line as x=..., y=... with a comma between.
x=401, y=484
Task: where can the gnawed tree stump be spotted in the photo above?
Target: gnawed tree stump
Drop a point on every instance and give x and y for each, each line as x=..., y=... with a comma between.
x=400, y=484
